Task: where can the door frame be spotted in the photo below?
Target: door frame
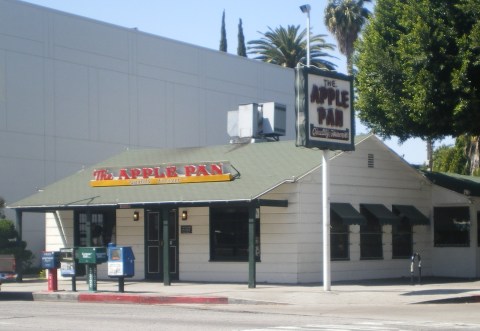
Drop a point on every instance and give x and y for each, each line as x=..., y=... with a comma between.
x=173, y=243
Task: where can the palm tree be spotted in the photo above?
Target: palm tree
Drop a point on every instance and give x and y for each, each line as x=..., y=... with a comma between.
x=287, y=47
x=345, y=19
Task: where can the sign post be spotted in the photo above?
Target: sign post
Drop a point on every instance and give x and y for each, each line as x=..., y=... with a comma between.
x=324, y=120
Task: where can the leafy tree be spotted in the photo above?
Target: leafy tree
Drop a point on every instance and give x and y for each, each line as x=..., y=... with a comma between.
x=2, y=206
x=419, y=69
x=451, y=158
x=345, y=19
x=288, y=47
x=9, y=243
x=241, y=49
x=223, y=35
x=461, y=158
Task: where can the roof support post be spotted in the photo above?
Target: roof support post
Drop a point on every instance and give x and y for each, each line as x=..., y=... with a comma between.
x=252, y=277
x=166, y=247
x=19, y=228
x=88, y=228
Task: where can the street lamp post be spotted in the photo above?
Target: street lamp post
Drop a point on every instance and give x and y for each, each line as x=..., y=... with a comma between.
x=325, y=185
x=306, y=9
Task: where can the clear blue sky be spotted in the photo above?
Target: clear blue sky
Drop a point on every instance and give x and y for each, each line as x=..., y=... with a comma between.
x=198, y=22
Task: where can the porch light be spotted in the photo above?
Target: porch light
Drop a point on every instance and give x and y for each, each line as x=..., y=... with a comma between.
x=136, y=216
x=184, y=215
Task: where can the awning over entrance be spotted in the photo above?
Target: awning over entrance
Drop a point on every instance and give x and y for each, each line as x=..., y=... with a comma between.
x=347, y=213
x=380, y=212
x=411, y=213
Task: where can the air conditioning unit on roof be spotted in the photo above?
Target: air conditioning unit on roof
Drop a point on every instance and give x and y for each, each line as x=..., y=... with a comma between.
x=264, y=120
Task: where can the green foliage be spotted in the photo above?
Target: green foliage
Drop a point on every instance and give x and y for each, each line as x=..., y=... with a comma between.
x=345, y=19
x=451, y=158
x=288, y=47
x=241, y=49
x=9, y=244
x=2, y=206
x=419, y=69
x=223, y=35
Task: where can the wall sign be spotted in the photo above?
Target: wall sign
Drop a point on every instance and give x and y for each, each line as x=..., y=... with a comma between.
x=324, y=109
x=185, y=229
x=162, y=174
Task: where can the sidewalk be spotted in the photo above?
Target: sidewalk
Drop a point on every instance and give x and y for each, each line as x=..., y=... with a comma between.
x=372, y=292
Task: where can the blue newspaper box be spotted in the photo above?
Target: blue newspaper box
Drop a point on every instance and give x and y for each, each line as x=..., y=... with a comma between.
x=121, y=262
x=50, y=260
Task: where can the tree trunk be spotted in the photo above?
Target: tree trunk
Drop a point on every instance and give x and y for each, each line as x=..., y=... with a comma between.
x=430, y=154
x=473, y=155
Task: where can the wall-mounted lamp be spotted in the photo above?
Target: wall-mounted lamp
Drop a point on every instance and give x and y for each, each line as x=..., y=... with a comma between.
x=184, y=215
x=136, y=216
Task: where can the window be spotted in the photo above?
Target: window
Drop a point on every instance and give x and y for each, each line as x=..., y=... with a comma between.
x=370, y=238
x=229, y=234
x=402, y=240
x=102, y=229
x=339, y=242
x=451, y=226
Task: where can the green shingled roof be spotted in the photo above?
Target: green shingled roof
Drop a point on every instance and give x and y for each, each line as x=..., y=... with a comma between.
x=468, y=185
x=261, y=167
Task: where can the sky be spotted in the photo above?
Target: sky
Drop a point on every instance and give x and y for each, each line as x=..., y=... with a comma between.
x=199, y=22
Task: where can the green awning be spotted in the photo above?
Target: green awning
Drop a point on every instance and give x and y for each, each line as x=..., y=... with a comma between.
x=347, y=213
x=380, y=213
x=410, y=213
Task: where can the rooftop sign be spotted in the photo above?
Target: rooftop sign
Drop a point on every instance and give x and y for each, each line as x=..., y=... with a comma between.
x=161, y=174
x=324, y=109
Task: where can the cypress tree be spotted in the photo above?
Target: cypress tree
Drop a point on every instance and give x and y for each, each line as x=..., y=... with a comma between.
x=241, y=49
x=223, y=36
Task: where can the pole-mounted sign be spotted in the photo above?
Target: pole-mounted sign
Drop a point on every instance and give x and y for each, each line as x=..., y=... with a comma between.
x=324, y=115
x=324, y=109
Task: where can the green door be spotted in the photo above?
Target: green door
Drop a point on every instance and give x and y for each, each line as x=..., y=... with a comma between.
x=154, y=244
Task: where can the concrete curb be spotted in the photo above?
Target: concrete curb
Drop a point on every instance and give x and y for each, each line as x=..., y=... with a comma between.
x=149, y=299
x=127, y=298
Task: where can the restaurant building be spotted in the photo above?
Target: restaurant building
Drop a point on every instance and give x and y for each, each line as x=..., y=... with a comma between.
x=75, y=91
x=239, y=209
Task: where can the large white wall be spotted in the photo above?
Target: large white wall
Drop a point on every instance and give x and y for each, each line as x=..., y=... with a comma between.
x=457, y=261
x=390, y=181
x=74, y=91
x=291, y=237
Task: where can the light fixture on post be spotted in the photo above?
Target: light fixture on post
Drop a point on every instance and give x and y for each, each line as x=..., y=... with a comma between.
x=306, y=9
x=136, y=216
x=184, y=215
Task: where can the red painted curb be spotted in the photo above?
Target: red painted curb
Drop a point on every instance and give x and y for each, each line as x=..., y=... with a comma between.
x=148, y=299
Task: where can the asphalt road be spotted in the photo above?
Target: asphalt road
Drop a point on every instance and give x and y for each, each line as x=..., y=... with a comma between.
x=34, y=315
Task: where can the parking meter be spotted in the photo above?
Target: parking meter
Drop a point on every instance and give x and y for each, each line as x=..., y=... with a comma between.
x=121, y=264
x=91, y=256
x=51, y=262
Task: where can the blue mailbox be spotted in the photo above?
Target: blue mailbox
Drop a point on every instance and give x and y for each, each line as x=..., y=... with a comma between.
x=50, y=260
x=121, y=261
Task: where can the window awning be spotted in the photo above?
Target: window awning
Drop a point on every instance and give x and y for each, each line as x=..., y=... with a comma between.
x=380, y=212
x=347, y=213
x=411, y=213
